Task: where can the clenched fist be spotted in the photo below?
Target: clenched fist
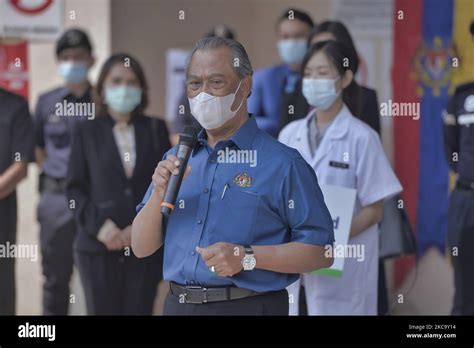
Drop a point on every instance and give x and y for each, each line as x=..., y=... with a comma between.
x=226, y=258
x=162, y=174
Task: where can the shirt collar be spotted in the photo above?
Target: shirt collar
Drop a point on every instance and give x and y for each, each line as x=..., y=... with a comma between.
x=66, y=92
x=111, y=122
x=288, y=70
x=338, y=126
x=243, y=138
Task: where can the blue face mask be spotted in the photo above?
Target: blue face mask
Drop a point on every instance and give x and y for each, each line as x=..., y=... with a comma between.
x=123, y=98
x=73, y=72
x=292, y=51
x=320, y=93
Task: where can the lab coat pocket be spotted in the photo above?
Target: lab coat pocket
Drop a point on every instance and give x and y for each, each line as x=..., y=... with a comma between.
x=238, y=215
x=344, y=177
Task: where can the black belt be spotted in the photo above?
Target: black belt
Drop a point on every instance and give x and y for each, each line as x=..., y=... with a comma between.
x=464, y=185
x=199, y=294
x=53, y=185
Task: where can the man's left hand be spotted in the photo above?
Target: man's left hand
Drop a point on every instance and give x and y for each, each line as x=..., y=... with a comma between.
x=224, y=257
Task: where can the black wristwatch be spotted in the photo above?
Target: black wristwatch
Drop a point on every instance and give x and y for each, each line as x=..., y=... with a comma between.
x=248, y=262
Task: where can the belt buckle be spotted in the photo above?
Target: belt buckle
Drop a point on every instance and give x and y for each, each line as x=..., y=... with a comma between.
x=204, y=292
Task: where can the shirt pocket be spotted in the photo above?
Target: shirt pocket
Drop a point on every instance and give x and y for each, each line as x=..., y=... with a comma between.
x=58, y=132
x=344, y=177
x=236, y=216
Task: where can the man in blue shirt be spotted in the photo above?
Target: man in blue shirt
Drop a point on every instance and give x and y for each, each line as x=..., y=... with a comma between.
x=273, y=86
x=56, y=114
x=249, y=215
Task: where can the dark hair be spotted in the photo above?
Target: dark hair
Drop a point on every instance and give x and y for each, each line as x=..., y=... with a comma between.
x=339, y=55
x=242, y=69
x=73, y=38
x=471, y=28
x=296, y=14
x=120, y=58
x=342, y=35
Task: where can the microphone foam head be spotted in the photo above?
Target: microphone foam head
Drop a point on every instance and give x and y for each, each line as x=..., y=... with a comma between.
x=188, y=136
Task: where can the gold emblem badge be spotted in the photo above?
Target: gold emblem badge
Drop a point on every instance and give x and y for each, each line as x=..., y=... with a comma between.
x=243, y=180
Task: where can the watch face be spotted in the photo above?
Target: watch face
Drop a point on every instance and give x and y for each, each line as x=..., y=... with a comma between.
x=249, y=262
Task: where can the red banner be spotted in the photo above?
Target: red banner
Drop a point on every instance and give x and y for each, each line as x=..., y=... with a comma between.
x=407, y=37
x=14, y=66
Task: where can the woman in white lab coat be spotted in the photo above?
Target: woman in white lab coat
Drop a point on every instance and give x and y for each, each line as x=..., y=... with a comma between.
x=346, y=152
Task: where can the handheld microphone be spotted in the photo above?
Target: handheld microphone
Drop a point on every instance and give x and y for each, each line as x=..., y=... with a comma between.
x=187, y=141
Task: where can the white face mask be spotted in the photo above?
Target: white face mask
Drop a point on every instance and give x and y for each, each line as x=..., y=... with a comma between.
x=292, y=51
x=211, y=111
x=320, y=93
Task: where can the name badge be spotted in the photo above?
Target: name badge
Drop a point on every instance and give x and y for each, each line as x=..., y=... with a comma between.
x=341, y=165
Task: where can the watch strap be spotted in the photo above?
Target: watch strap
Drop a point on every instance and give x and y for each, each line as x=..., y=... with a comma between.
x=248, y=250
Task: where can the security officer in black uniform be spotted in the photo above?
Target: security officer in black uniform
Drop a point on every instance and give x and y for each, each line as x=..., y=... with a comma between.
x=56, y=114
x=459, y=141
x=16, y=150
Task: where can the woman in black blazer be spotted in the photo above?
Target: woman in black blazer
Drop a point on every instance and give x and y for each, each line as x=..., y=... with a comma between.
x=112, y=160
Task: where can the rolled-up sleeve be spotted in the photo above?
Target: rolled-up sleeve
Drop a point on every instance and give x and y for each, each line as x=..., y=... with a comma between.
x=376, y=180
x=145, y=198
x=302, y=206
